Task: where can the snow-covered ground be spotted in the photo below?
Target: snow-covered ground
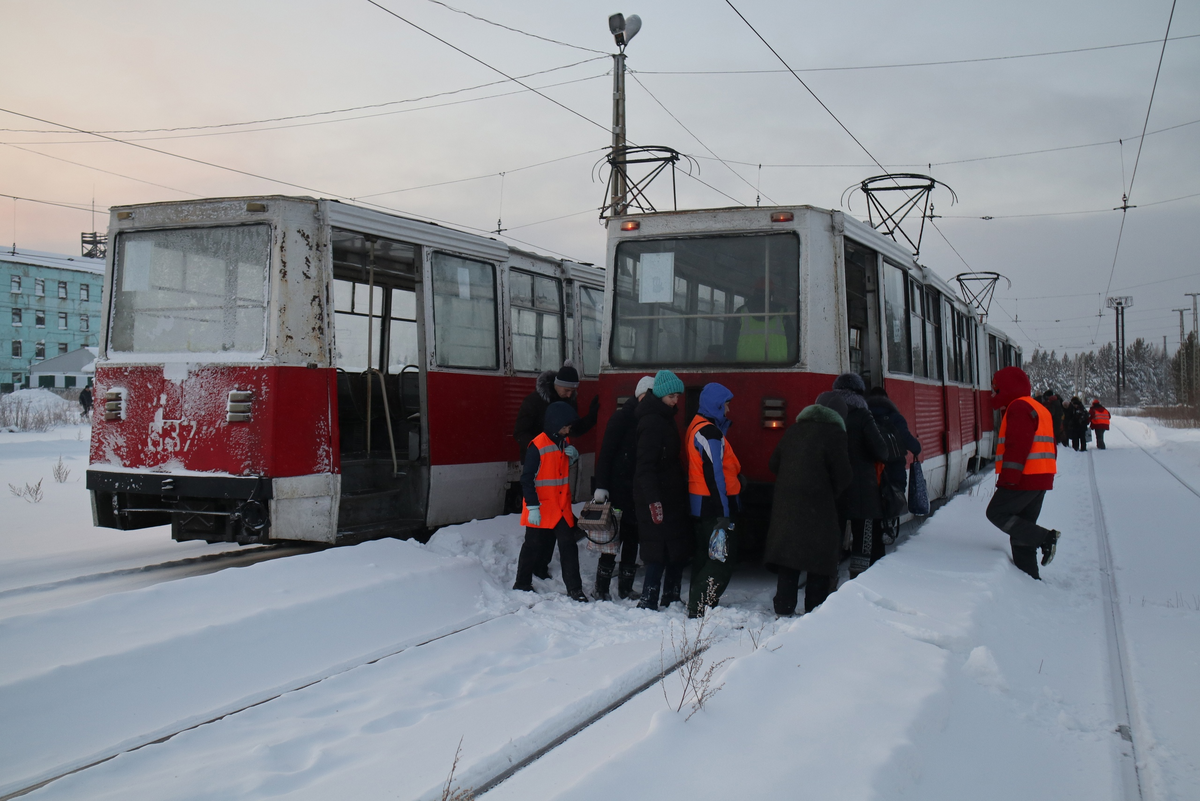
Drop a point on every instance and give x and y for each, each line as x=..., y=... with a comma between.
x=941, y=673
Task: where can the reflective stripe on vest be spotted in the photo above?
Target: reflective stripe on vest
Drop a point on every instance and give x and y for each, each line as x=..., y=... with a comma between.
x=762, y=340
x=1042, y=459
x=553, y=484
x=729, y=462
x=1100, y=417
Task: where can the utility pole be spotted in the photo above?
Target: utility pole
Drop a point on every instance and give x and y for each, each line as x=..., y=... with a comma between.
x=1185, y=368
x=1191, y=356
x=623, y=30
x=1119, y=304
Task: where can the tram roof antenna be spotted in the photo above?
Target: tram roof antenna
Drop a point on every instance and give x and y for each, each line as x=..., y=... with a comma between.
x=635, y=200
x=891, y=221
x=978, y=288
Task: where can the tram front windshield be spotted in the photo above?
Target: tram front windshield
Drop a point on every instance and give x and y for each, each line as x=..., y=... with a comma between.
x=730, y=300
x=191, y=290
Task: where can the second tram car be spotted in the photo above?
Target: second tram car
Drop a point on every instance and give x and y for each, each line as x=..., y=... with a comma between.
x=298, y=369
x=774, y=303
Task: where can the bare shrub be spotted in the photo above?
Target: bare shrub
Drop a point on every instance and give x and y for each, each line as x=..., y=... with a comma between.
x=31, y=410
x=1170, y=416
x=449, y=791
x=695, y=677
x=32, y=493
x=61, y=472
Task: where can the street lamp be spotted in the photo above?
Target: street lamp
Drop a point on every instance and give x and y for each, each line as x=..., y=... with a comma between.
x=623, y=30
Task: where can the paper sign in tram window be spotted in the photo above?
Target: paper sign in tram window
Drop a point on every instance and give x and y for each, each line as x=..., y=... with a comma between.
x=657, y=278
x=464, y=283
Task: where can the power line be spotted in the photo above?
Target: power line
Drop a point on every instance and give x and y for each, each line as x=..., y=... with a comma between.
x=480, y=177
x=312, y=114
x=72, y=206
x=915, y=64
x=98, y=169
x=515, y=30
x=1129, y=191
x=697, y=138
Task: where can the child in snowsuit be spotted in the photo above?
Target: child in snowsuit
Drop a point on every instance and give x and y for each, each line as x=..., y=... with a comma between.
x=546, y=501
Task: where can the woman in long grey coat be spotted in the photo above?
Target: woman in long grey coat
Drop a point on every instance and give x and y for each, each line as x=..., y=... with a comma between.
x=811, y=467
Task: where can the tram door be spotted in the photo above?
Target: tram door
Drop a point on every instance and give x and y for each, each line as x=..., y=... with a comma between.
x=862, y=312
x=377, y=354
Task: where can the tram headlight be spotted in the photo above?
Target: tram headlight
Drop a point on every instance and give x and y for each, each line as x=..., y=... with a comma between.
x=237, y=410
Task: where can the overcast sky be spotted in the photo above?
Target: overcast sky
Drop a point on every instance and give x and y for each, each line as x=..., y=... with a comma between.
x=137, y=65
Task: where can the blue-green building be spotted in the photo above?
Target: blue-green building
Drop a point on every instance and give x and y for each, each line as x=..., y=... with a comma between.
x=49, y=305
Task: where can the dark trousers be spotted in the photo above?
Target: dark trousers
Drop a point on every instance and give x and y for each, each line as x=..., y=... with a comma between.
x=658, y=574
x=866, y=545
x=787, y=588
x=540, y=540
x=1079, y=443
x=705, y=570
x=1099, y=438
x=1015, y=512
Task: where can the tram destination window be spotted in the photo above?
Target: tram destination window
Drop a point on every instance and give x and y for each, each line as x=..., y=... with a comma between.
x=707, y=300
x=537, y=322
x=191, y=290
x=464, y=312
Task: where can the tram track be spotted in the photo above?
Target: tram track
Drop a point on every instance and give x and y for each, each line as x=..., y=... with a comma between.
x=1124, y=700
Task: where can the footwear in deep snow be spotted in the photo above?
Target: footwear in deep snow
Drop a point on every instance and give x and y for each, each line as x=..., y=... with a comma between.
x=1049, y=546
x=577, y=595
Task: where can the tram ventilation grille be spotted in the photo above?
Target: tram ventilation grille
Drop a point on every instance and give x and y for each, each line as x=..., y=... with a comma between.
x=238, y=408
x=773, y=412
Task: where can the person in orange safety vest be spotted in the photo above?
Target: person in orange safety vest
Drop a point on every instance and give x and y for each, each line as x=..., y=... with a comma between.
x=1026, y=461
x=1100, y=419
x=714, y=485
x=546, y=501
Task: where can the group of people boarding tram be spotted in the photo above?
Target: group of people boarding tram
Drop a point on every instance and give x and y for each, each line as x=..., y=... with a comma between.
x=838, y=470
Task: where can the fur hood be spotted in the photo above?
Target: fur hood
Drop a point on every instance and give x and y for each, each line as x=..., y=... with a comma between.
x=821, y=414
x=545, y=387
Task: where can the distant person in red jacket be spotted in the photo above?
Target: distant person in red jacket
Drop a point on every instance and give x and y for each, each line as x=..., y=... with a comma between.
x=1026, y=460
x=1100, y=419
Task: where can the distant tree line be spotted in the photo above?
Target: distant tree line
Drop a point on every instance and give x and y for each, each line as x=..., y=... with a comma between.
x=1152, y=377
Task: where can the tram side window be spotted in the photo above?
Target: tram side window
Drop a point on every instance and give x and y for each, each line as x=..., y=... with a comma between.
x=718, y=300
x=191, y=290
x=916, y=305
x=536, y=322
x=895, y=312
x=464, y=312
x=591, y=304
x=933, y=334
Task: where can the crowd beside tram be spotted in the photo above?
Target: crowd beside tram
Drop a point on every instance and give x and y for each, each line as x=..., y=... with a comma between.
x=842, y=482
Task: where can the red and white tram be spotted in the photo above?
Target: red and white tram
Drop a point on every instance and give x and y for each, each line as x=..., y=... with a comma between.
x=774, y=303
x=284, y=368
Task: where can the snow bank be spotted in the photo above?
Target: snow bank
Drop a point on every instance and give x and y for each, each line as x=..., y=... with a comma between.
x=79, y=684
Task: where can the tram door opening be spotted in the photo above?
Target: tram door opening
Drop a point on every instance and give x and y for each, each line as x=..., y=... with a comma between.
x=377, y=353
x=862, y=313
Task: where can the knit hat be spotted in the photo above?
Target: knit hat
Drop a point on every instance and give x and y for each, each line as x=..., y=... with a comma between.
x=567, y=377
x=644, y=385
x=835, y=401
x=667, y=383
x=850, y=381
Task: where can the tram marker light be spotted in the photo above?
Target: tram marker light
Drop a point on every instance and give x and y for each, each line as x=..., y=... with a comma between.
x=782, y=216
x=237, y=410
x=114, y=405
x=124, y=215
x=630, y=225
x=256, y=207
x=772, y=412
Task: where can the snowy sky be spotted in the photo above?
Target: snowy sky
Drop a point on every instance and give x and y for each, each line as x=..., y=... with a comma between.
x=139, y=65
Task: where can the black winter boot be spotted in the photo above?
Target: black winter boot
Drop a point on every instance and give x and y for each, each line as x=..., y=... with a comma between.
x=1049, y=547
x=625, y=581
x=604, y=572
x=671, y=592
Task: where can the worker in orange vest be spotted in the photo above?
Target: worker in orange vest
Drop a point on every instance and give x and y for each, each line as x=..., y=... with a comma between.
x=1100, y=419
x=546, y=501
x=1026, y=461
x=714, y=485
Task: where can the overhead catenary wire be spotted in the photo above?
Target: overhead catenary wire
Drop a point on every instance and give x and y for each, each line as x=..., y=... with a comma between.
x=515, y=30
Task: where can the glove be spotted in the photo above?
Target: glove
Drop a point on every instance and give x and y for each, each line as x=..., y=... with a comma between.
x=656, y=514
x=535, y=516
x=572, y=453
x=601, y=496
x=595, y=405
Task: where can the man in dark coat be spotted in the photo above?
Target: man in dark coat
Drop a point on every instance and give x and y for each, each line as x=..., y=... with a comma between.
x=1076, y=423
x=812, y=467
x=1054, y=405
x=85, y=400
x=895, y=473
x=860, y=502
x=660, y=492
x=550, y=388
x=614, y=482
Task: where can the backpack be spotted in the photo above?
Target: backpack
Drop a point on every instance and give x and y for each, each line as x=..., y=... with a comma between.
x=896, y=449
